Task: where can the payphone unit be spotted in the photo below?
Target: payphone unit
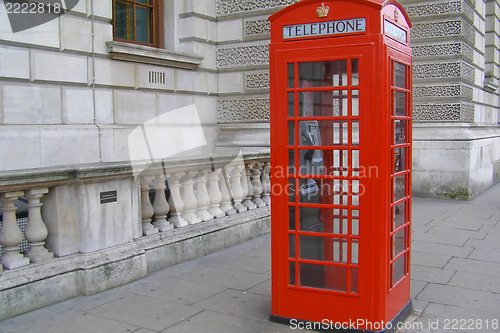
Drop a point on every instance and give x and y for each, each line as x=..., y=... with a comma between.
x=340, y=74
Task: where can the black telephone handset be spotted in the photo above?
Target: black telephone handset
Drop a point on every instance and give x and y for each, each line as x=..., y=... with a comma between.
x=308, y=138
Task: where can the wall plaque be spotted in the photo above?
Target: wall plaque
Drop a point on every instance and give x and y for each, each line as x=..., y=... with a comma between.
x=107, y=197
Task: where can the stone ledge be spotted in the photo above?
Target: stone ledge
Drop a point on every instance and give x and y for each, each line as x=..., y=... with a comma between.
x=151, y=55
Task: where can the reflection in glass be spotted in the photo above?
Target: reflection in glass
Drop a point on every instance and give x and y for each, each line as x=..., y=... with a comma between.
x=144, y=24
x=399, y=75
x=324, y=277
x=354, y=72
x=290, y=191
x=323, y=103
x=398, y=270
x=291, y=104
x=355, y=132
x=339, y=162
x=340, y=132
x=323, y=74
x=124, y=20
x=312, y=218
x=355, y=103
x=399, y=131
x=399, y=243
x=355, y=227
x=399, y=159
x=354, y=252
x=400, y=104
x=399, y=188
x=340, y=103
x=291, y=75
x=355, y=163
x=399, y=215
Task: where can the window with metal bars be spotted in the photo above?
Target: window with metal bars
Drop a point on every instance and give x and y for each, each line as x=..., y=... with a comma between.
x=138, y=21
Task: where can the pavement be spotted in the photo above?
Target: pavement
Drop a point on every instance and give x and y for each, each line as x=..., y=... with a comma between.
x=455, y=284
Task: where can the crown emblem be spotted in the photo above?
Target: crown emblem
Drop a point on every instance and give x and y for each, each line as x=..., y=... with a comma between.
x=323, y=10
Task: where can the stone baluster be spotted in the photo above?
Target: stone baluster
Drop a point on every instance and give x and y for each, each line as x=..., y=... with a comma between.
x=146, y=207
x=257, y=185
x=237, y=189
x=226, y=191
x=36, y=232
x=10, y=233
x=160, y=205
x=175, y=200
x=266, y=184
x=189, y=199
x=247, y=202
x=215, y=194
x=202, y=197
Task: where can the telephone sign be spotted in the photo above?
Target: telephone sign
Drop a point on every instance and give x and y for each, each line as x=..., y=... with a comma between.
x=341, y=162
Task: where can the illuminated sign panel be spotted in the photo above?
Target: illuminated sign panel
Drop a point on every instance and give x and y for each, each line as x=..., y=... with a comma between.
x=394, y=31
x=324, y=28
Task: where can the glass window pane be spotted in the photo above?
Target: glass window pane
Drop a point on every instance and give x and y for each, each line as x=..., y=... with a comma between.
x=355, y=72
x=290, y=191
x=291, y=104
x=324, y=220
x=291, y=133
x=291, y=217
x=399, y=243
x=398, y=270
x=146, y=2
x=320, y=248
x=323, y=103
x=400, y=160
x=355, y=103
x=291, y=162
x=355, y=133
x=291, y=75
x=323, y=277
x=314, y=191
x=291, y=271
x=399, y=215
x=399, y=75
x=354, y=252
x=355, y=163
x=399, y=132
x=354, y=280
x=124, y=20
x=291, y=246
x=144, y=25
x=400, y=105
x=399, y=188
x=311, y=162
x=323, y=74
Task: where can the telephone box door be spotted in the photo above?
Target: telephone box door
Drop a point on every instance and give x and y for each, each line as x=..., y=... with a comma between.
x=322, y=244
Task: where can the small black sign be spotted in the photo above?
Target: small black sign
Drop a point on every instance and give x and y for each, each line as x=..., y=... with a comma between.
x=109, y=196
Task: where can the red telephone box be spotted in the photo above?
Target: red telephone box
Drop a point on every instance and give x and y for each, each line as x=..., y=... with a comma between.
x=341, y=163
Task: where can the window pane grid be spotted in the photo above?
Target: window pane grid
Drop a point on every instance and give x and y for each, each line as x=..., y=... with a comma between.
x=400, y=175
x=137, y=24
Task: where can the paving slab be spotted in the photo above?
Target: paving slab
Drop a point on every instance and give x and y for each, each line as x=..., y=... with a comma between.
x=464, y=298
x=239, y=303
x=430, y=274
x=146, y=312
x=58, y=319
x=476, y=281
x=471, y=265
x=211, y=321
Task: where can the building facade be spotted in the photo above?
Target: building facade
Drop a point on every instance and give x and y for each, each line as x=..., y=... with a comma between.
x=181, y=89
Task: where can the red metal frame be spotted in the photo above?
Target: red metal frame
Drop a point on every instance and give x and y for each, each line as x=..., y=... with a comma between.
x=349, y=287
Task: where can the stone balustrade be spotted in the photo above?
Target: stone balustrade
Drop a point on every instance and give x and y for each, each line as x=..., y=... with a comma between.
x=67, y=213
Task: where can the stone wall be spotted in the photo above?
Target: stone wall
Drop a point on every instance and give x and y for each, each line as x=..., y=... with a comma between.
x=455, y=105
x=69, y=95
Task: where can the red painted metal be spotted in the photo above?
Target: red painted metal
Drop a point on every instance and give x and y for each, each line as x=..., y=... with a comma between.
x=341, y=162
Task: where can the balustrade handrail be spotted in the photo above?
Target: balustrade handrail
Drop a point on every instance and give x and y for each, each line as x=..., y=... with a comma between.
x=52, y=176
